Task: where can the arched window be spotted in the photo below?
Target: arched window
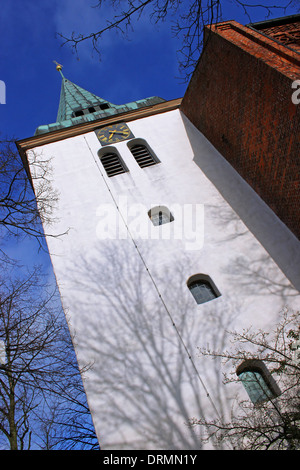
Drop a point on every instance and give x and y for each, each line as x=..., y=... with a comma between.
x=160, y=215
x=257, y=380
x=112, y=161
x=142, y=153
x=202, y=288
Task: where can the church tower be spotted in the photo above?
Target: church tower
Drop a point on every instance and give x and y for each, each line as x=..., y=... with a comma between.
x=152, y=263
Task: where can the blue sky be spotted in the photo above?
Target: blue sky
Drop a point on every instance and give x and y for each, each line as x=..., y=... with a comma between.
x=146, y=65
x=143, y=66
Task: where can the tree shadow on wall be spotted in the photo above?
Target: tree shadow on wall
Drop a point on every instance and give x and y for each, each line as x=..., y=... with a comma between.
x=142, y=343
x=253, y=270
x=137, y=324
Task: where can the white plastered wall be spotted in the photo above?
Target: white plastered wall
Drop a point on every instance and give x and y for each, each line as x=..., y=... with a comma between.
x=123, y=281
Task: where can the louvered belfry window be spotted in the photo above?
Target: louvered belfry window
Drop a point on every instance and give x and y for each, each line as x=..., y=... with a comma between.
x=113, y=164
x=142, y=155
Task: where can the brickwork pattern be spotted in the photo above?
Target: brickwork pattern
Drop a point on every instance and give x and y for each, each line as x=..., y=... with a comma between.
x=287, y=34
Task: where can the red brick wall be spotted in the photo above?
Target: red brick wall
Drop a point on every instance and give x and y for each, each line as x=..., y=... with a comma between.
x=240, y=98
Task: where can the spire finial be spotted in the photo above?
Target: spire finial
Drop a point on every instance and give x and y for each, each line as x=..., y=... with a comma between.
x=58, y=67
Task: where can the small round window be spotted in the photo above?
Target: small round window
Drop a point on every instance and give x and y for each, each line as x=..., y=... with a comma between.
x=160, y=215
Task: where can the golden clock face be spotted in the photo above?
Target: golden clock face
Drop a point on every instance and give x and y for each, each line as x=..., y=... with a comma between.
x=114, y=133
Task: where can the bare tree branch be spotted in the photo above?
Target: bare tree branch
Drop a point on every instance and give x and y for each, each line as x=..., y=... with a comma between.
x=274, y=424
x=39, y=378
x=188, y=21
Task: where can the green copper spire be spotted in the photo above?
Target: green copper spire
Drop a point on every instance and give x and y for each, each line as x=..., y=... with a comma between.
x=76, y=101
x=77, y=105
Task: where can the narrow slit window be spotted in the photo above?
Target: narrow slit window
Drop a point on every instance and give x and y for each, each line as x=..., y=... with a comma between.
x=202, y=288
x=112, y=163
x=142, y=153
x=257, y=381
x=160, y=215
